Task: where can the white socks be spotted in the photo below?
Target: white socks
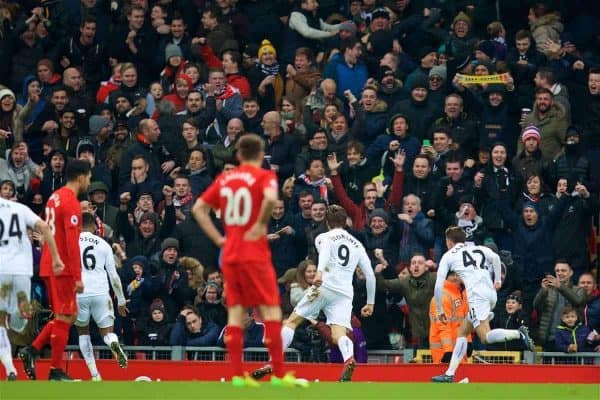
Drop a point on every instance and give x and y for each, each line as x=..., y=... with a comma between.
x=287, y=335
x=5, y=352
x=346, y=347
x=460, y=349
x=502, y=335
x=110, y=338
x=85, y=345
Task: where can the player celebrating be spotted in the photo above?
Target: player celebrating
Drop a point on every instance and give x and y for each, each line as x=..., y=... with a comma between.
x=97, y=259
x=63, y=216
x=16, y=274
x=246, y=195
x=469, y=263
x=332, y=292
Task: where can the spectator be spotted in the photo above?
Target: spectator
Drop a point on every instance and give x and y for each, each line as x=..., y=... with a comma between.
x=571, y=335
x=19, y=168
x=317, y=148
x=191, y=329
x=591, y=311
x=281, y=147
x=574, y=163
x=283, y=239
x=417, y=289
x=533, y=191
x=210, y=303
x=301, y=77
x=514, y=318
x=156, y=330
x=545, y=25
x=551, y=119
x=416, y=230
x=556, y=293
x=346, y=68
x=530, y=161
x=358, y=171
x=265, y=77
x=254, y=332
x=370, y=115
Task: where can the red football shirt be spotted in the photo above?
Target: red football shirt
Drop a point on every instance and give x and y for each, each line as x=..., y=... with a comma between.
x=239, y=195
x=63, y=216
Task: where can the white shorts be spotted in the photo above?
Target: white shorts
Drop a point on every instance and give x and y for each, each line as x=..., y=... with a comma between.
x=100, y=308
x=12, y=289
x=337, y=308
x=481, y=302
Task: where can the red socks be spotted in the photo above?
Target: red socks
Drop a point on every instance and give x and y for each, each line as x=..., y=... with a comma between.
x=58, y=342
x=43, y=338
x=234, y=339
x=273, y=343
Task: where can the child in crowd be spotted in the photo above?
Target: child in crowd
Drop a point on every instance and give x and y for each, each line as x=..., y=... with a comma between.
x=571, y=334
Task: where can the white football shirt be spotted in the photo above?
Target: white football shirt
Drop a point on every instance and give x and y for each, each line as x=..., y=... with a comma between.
x=339, y=255
x=471, y=263
x=16, y=257
x=96, y=261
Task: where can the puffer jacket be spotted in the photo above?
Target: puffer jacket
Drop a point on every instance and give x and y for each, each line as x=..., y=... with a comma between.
x=552, y=129
x=546, y=302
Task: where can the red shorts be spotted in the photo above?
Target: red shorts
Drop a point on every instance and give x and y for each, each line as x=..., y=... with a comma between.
x=250, y=284
x=61, y=293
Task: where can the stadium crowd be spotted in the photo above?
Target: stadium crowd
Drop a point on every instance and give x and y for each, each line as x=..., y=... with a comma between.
x=413, y=115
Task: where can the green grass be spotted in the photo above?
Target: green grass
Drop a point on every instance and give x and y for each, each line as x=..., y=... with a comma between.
x=362, y=391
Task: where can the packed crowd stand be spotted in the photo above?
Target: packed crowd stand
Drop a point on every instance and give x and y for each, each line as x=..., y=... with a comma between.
x=379, y=106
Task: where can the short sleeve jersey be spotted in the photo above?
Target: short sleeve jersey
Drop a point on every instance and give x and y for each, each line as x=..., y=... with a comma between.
x=470, y=264
x=96, y=259
x=339, y=255
x=238, y=194
x=63, y=216
x=15, y=247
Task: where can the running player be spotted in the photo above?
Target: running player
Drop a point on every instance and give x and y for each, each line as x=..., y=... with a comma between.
x=16, y=268
x=97, y=260
x=469, y=263
x=63, y=216
x=332, y=291
x=245, y=196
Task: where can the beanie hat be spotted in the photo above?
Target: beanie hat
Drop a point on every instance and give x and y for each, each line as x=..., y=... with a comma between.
x=187, y=79
x=571, y=131
x=424, y=51
x=462, y=16
x=381, y=213
x=384, y=71
x=251, y=50
x=532, y=205
x=462, y=61
x=157, y=304
x=419, y=82
x=488, y=48
x=139, y=260
x=380, y=12
x=394, y=118
x=466, y=198
x=264, y=47
x=172, y=50
x=348, y=26
x=495, y=88
x=97, y=186
x=7, y=92
x=150, y=215
x=531, y=132
x=439, y=70
x=96, y=124
x=85, y=145
x=169, y=243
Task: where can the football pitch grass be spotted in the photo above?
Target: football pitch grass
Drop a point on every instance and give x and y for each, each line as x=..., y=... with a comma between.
x=359, y=390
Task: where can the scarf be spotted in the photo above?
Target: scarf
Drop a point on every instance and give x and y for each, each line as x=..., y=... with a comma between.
x=269, y=69
x=180, y=202
x=320, y=184
x=227, y=92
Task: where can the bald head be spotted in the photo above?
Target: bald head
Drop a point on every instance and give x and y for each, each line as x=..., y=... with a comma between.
x=72, y=78
x=272, y=123
x=328, y=86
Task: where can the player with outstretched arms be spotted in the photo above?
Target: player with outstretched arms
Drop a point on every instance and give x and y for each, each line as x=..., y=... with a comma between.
x=97, y=260
x=16, y=270
x=470, y=264
x=63, y=216
x=246, y=196
x=332, y=291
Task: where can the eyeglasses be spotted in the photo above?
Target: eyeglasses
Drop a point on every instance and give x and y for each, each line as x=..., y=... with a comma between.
x=514, y=297
x=435, y=79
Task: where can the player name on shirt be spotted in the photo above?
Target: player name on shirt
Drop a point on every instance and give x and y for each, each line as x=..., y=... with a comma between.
x=238, y=175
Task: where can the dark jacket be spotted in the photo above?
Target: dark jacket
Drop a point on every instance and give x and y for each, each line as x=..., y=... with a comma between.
x=500, y=188
x=283, y=250
x=509, y=321
x=193, y=242
x=565, y=336
x=369, y=124
x=283, y=152
x=136, y=243
x=180, y=336
x=153, y=333
x=253, y=335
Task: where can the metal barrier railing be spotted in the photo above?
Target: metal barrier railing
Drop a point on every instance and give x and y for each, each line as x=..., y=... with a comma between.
x=259, y=354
